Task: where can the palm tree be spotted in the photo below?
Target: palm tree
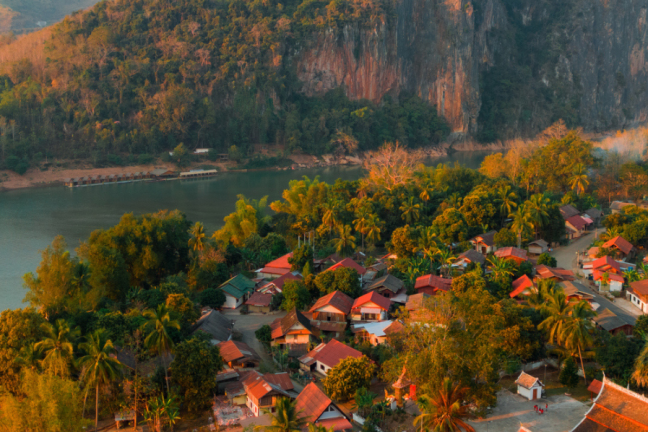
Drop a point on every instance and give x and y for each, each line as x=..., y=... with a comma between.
x=373, y=229
x=643, y=269
x=576, y=333
x=98, y=367
x=558, y=310
x=329, y=217
x=410, y=210
x=579, y=179
x=28, y=358
x=444, y=412
x=57, y=346
x=640, y=374
x=285, y=418
x=521, y=223
x=196, y=242
x=316, y=428
x=446, y=258
x=454, y=200
x=538, y=297
x=501, y=268
x=428, y=244
x=537, y=207
x=426, y=192
x=361, y=224
x=506, y=198
x=610, y=233
x=345, y=242
x=632, y=275
x=161, y=411
x=160, y=322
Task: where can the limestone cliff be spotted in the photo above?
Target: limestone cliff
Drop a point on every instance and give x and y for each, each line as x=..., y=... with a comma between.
x=495, y=68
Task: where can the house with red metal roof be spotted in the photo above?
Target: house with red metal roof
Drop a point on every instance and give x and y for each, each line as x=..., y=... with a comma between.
x=513, y=254
x=370, y=307
x=605, y=264
x=576, y=226
x=376, y=333
x=263, y=391
x=623, y=247
x=238, y=354
x=616, y=408
x=329, y=315
x=348, y=263
x=316, y=408
x=556, y=274
x=522, y=286
x=276, y=285
x=326, y=356
x=276, y=268
x=293, y=331
x=484, y=243
x=613, y=280
x=260, y=302
x=638, y=294
x=432, y=284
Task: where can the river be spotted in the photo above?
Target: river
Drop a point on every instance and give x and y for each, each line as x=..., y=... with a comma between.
x=31, y=218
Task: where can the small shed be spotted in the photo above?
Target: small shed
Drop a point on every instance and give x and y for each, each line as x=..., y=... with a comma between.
x=260, y=302
x=538, y=247
x=529, y=386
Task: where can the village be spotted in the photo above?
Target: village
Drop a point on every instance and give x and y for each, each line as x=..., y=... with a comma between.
x=304, y=347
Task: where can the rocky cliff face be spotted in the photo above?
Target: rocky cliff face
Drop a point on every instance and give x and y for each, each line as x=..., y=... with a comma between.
x=495, y=68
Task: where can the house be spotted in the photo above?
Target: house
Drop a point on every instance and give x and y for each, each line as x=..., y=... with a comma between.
x=623, y=247
x=370, y=307
x=529, y=386
x=614, y=280
x=603, y=264
x=376, y=333
x=593, y=252
x=387, y=286
x=576, y=227
x=616, y=408
x=329, y=315
x=326, y=356
x=618, y=206
x=467, y=258
x=238, y=354
x=556, y=274
x=416, y=307
x=321, y=264
x=260, y=302
x=263, y=391
x=538, y=247
x=215, y=325
x=594, y=214
x=594, y=388
x=432, y=284
x=276, y=268
x=146, y=368
x=237, y=290
x=574, y=290
x=522, y=286
x=611, y=323
x=293, y=331
x=513, y=254
x=567, y=211
x=162, y=172
x=484, y=243
x=316, y=408
x=638, y=294
x=276, y=285
x=348, y=263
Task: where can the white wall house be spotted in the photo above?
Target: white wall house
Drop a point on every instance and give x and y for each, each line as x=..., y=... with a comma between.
x=638, y=302
x=529, y=387
x=232, y=302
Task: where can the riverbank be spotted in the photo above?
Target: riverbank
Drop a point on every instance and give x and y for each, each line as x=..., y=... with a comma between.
x=55, y=175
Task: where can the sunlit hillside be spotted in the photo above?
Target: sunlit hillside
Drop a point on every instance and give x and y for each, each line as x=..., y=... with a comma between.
x=20, y=15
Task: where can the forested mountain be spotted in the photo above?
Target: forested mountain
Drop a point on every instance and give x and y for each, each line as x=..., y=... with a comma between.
x=141, y=76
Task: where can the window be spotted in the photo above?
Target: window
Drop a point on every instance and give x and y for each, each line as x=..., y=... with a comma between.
x=322, y=367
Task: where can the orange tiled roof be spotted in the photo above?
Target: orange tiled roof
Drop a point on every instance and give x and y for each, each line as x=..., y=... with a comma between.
x=511, y=252
x=312, y=402
x=374, y=297
x=234, y=350
x=527, y=381
x=520, y=284
x=337, y=299
x=620, y=243
x=348, y=263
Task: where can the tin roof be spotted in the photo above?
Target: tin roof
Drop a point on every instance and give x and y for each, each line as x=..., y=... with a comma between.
x=620, y=243
x=337, y=299
x=235, y=350
x=348, y=263
x=330, y=354
x=373, y=297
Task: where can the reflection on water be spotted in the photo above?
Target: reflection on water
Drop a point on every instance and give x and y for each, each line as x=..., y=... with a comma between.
x=31, y=218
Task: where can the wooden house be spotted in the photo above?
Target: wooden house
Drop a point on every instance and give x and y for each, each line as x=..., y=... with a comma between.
x=432, y=284
x=370, y=307
x=512, y=254
x=621, y=246
x=538, y=247
x=611, y=323
x=326, y=356
x=293, y=331
x=263, y=391
x=260, y=302
x=388, y=286
x=484, y=243
x=238, y=354
x=317, y=409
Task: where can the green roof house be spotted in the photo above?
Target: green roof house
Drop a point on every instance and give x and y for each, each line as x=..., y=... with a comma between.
x=237, y=290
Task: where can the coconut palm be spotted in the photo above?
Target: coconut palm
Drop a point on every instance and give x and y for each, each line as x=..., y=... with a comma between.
x=330, y=216
x=521, y=223
x=373, y=229
x=454, y=200
x=632, y=275
x=558, y=310
x=537, y=207
x=576, y=333
x=446, y=258
x=361, y=223
x=410, y=210
x=610, y=233
x=161, y=411
x=640, y=374
x=501, y=268
x=426, y=192
x=506, y=199
x=197, y=240
x=285, y=418
x=57, y=346
x=579, y=180
x=98, y=367
x=345, y=242
x=28, y=358
x=443, y=411
x=159, y=323
x=428, y=244
x=537, y=298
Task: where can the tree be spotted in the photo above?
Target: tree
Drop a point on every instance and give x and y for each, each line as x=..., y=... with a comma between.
x=501, y=268
x=391, y=166
x=579, y=180
x=345, y=242
x=372, y=230
x=246, y=220
x=330, y=215
x=402, y=242
x=506, y=198
x=521, y=224
x=285, y=417
x=444, y=410
x=212, y=297
x=546, y=259
x=641, y=326
x=505, y=237
x=159, y=322
x=569, y=374
x=48, y=403
x=301, y=256
x=183, y=307
x=537, y=207
x=57, y=346
x=451, y=226
x=264, y=334
x=576, y=334
x=295, y=295
x=98, y=367
x=410, y=210
x=617, y=354
x=194, y=369
x=180, y=154
x=361, y=224
x=346, y=280
x=364, y=399
x=161, y=411
x=347, y=377
x=196, y=242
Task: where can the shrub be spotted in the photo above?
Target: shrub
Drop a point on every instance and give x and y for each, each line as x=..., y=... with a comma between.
x=115, y=160
x=145, y=159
